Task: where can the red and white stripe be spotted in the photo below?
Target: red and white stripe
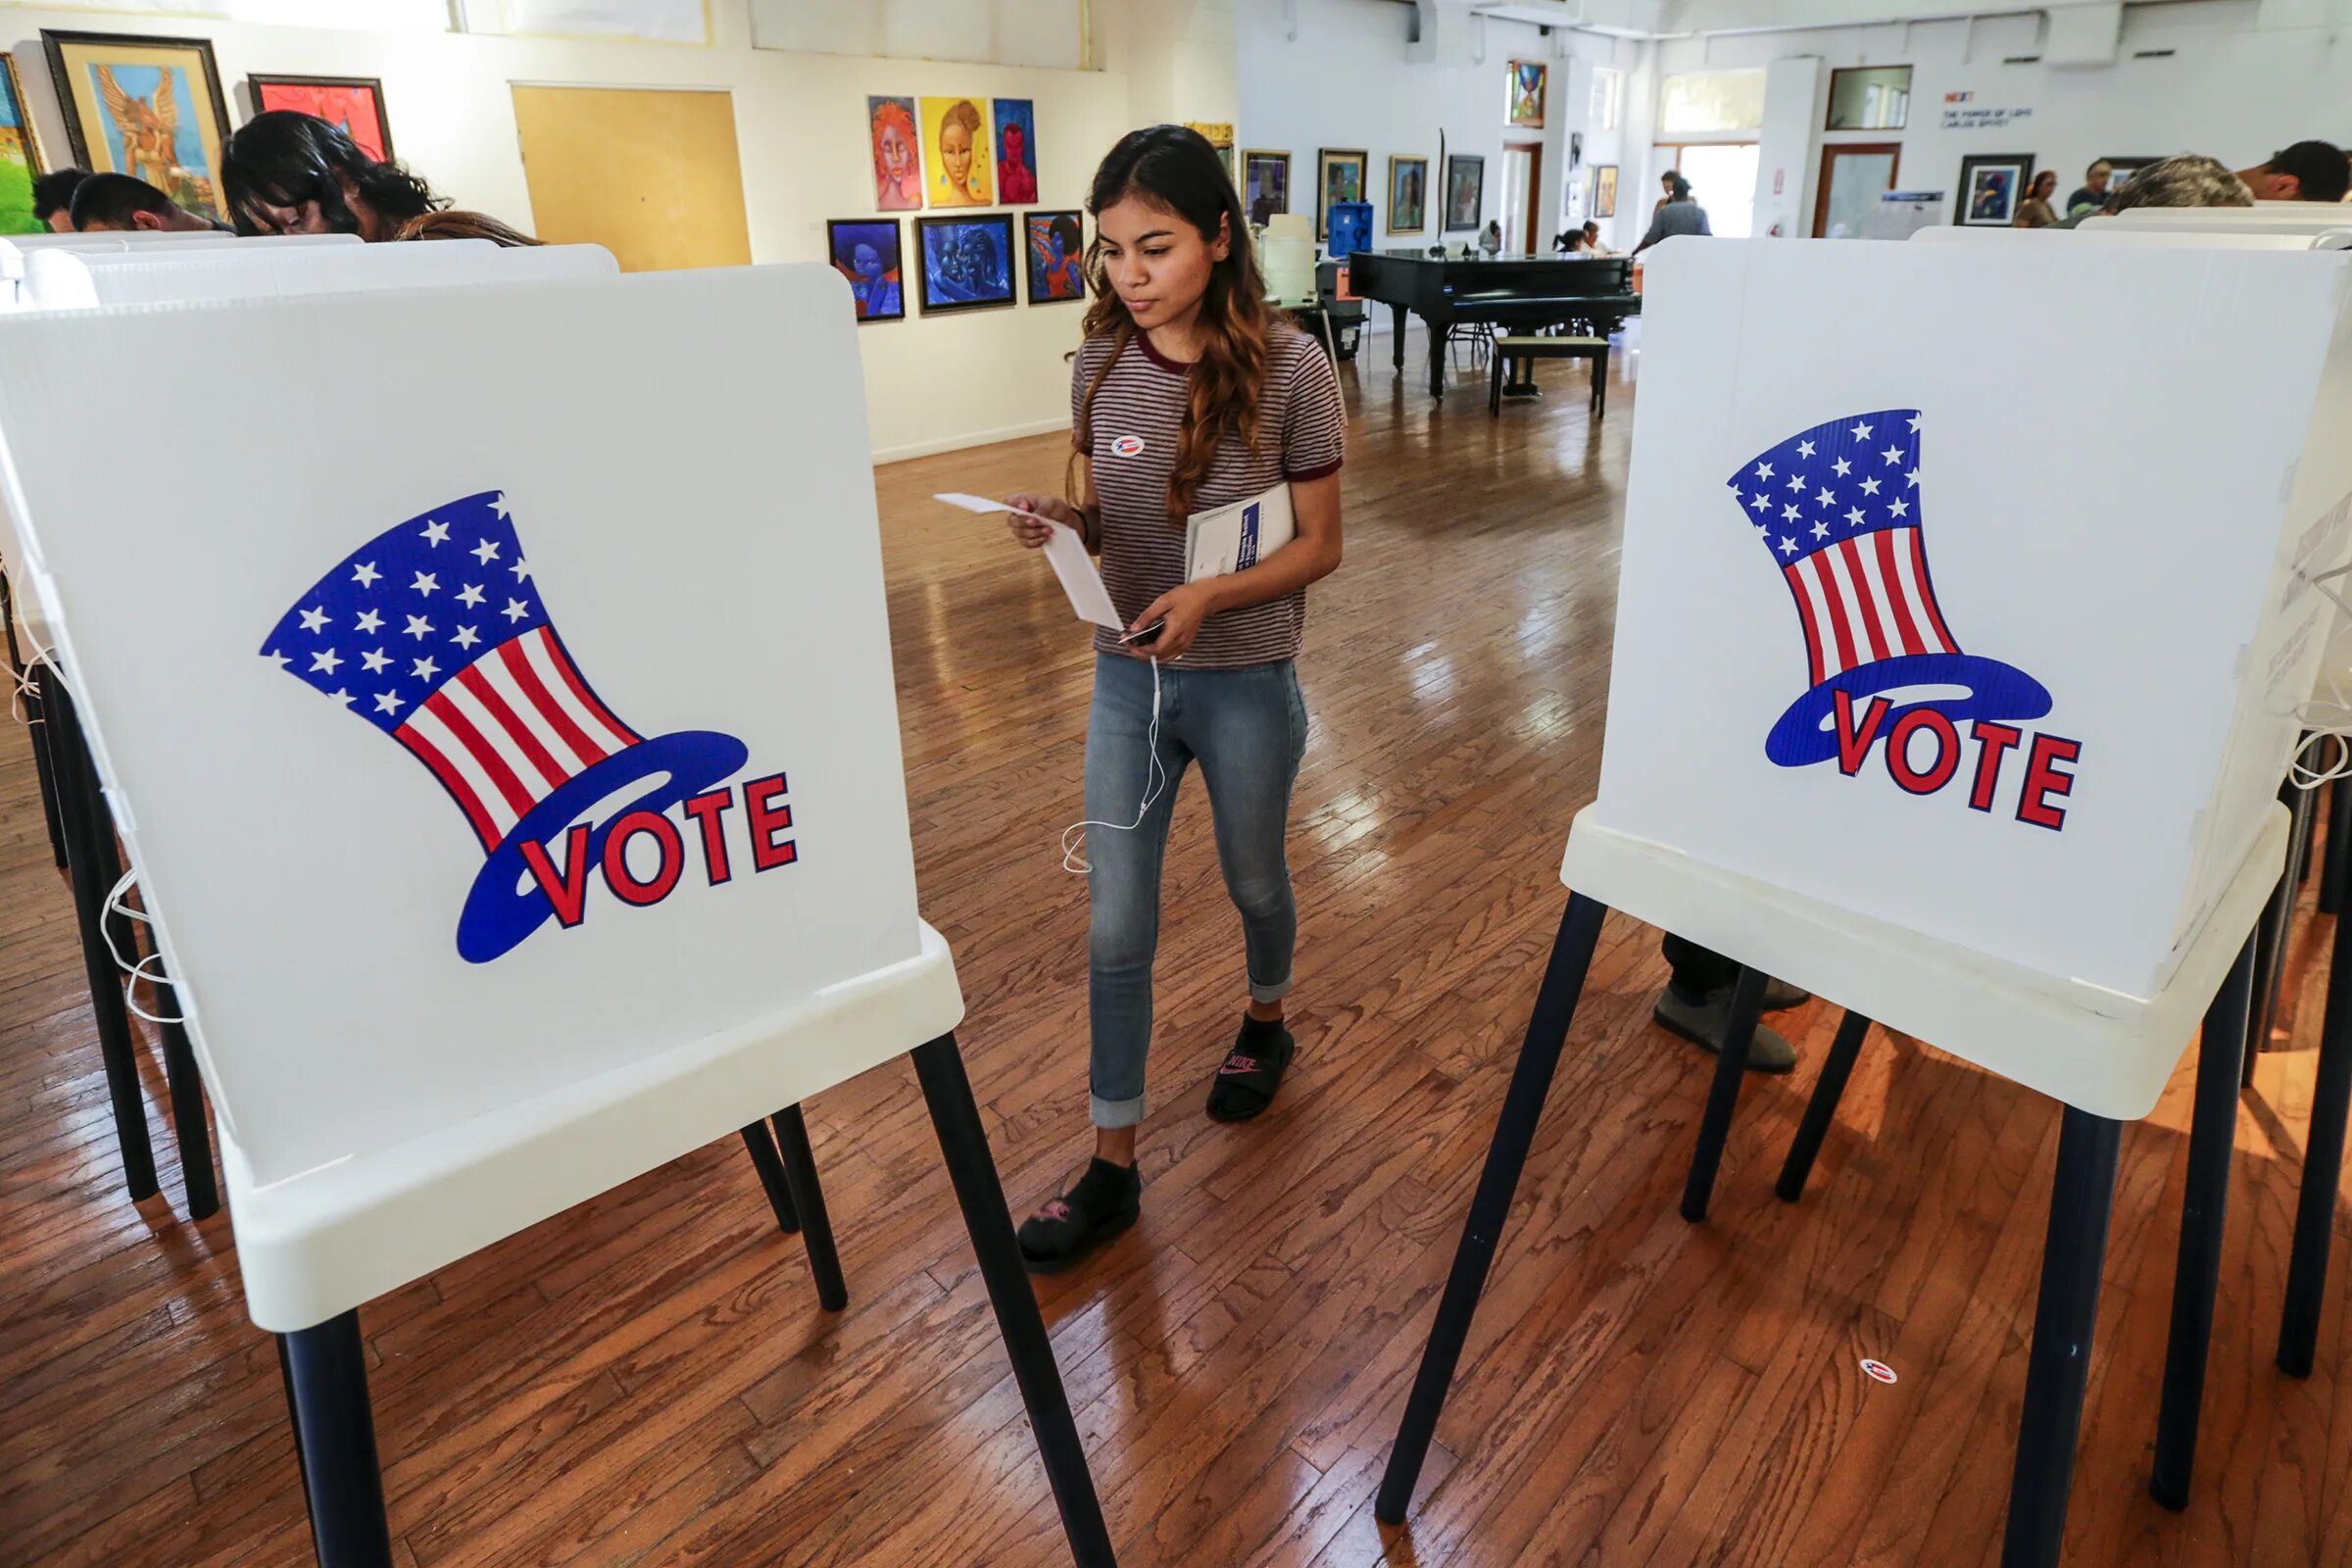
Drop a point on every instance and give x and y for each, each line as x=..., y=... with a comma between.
x=505, y=731
x=1865, y=599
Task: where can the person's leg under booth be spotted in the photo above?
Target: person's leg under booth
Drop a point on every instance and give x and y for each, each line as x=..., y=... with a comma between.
x=1696, y=1003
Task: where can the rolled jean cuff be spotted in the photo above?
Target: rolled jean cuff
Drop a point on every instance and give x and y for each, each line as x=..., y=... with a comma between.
x=1273, y=992
x=1116, y=1112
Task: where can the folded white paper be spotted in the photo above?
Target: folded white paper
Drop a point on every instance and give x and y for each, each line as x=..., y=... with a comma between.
x=1066, y=554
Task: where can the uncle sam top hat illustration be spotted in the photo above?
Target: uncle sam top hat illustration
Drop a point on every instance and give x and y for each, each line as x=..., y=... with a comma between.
x=434, y=633
x=1839, y=508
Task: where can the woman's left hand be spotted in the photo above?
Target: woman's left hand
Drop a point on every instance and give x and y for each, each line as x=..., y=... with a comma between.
x=1182, y=611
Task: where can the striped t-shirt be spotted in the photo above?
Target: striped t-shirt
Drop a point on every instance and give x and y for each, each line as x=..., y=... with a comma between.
x=1137, y=419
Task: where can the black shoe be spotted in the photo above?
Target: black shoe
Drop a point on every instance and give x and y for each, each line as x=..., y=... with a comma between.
x=1703, y=1024
x=1252, y=1071
x=1780, y=995
x=1104, y=1201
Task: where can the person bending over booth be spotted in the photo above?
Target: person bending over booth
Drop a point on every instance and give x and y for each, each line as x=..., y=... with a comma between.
x=114, y=204
x=2307, y=171
x=285, y=172
x=52, y=198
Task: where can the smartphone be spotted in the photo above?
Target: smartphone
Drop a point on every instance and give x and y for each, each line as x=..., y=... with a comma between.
x=1149, y=635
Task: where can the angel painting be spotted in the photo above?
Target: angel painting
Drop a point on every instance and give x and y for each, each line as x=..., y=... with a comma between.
x=150, y=108
x=146, y=128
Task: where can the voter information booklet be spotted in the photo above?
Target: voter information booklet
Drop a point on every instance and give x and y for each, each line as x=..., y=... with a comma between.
x=1237, y=537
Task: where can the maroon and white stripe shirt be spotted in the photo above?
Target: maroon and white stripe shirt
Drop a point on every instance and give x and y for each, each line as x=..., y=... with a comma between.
x=1130, y=440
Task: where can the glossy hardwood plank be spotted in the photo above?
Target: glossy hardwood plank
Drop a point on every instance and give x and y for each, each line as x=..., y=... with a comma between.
x=647, y=1380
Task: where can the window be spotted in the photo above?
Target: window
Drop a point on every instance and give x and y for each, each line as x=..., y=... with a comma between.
x=1723, y=181
x=1608, y=97
x=1702, y=101
x=1870, y=98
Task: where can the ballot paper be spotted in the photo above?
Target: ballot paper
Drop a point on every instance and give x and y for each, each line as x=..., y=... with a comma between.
x=1066, y=554
x=1237, y=537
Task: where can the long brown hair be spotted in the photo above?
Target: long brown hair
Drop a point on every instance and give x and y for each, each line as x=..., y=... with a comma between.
x=1173, y=168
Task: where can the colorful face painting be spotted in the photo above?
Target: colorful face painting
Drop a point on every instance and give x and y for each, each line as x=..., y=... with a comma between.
x=867, y=253
x=967, y=262
x=1527, y=92
x=1266, y=185
x=956, y=156
x=1056, y=257
x=355, y=104
x=1016, y=150
x=20, y=159
x=146, y=107
x=898, y=155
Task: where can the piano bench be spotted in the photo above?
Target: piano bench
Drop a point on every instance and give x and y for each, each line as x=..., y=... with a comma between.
x=1527, y=350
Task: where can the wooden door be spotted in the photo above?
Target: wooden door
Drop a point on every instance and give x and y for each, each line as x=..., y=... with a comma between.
x=1853, y=174
x=649, y=173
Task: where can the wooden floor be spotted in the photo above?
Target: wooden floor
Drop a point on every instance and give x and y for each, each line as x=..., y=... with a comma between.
x=646, y=1379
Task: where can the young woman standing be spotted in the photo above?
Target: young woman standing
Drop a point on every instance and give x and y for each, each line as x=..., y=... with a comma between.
x=1188, y=394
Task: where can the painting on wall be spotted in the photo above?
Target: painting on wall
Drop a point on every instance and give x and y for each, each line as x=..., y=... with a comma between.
x=1408, y=194
x=19, y=156
x=1465, y=190
x=967, y=261
x=898, y=155
x=2125, y=168
x=1991, y=185
x=955, y=157
x=1604, y=190
x=1219, y=135
x=865, y=251
x=1016, y=150
x=355, y=105
x=1056, y=257
x=1338, y=177
x=1527, y=92
x=146, y=107
x=1266, y=184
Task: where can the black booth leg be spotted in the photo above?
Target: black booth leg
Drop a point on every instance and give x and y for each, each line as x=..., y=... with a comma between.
x=963, y=1143
x=762, y=1149
x=44, y=769
x=2279, y=917
x=2322, y=1167
x=2058, y=1366
x=1522, y=1108
x=809, y=1197
x=87, y=827
x=1731, y=1065
x=2338, y=859
x=2211, y=1142
x=326, y=1390
x=1822, y=1110
x=188, y=1125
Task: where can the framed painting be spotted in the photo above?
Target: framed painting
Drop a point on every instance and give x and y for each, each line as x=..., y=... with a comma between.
x=1056, y=251
x=1527, y=92
x=965, y=263
x=865, y=251
x=1991, y=186
x=2125, y=168
x=1266, y=184
x=1604, y=190
x=1218, y=133
x=147, y=107
x=1408, y=194
x=1016, y=150
x=355, y=104
x=19, y=156
x=955, y=154
x=1465, y=190
x=897, y=147
x=1338, y=177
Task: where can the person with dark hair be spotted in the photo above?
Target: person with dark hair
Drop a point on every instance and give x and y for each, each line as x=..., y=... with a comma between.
x=1188, y=393
x=52, y=198
x=1592, y=238
x=1677, y=214
x=2034, y=210
x=2307, y=171
x=112, y=204
x=2093, y=194
x=285, y=172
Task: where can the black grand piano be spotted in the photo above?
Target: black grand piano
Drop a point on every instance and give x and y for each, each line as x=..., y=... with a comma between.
x=1512, y=293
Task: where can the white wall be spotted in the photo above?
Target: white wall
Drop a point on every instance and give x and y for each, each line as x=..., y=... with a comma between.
x=931, y=384
x=2235, y=89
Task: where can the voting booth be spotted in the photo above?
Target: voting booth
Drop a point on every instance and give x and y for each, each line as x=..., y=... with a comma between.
x=520, y=800
x=1958, y=692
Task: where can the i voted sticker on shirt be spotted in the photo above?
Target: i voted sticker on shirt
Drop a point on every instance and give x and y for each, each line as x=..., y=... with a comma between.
x=1879, y=1370
x=1126, y=446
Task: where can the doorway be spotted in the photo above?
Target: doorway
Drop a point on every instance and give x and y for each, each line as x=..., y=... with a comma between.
x=1522, y=182
x=1723, y=181
x=648, y=174
x=1853, y=175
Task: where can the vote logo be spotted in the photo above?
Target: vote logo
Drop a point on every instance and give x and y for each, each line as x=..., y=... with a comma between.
x=434, y=632
x=1838, y=507
x=1126, y=446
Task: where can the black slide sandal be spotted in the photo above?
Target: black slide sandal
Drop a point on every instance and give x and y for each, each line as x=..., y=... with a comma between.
x=1103, y=1202
x=1251, y=1074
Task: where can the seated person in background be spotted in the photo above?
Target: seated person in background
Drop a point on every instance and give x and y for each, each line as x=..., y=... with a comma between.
x=2035, y=211
x=453, y=224
x=114, y=204
x=1492, y=240
x=292, y=173
x=1592, y=238
x=2093, y=194
x=2307, y=171
x=52, y=198
x=1573, y=242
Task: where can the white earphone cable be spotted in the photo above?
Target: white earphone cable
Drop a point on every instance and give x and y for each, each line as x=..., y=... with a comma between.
x=1156, y=778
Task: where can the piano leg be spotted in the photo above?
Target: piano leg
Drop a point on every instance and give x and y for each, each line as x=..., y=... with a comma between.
x=1398, y=335
x=1437, y=359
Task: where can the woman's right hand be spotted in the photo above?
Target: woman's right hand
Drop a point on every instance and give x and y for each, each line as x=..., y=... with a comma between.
x=1028, y=531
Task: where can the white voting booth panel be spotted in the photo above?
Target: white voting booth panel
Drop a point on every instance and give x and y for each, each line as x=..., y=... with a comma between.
x=482, y=897
x=2058, y=747
x=2151, y=237
x=85, y=280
